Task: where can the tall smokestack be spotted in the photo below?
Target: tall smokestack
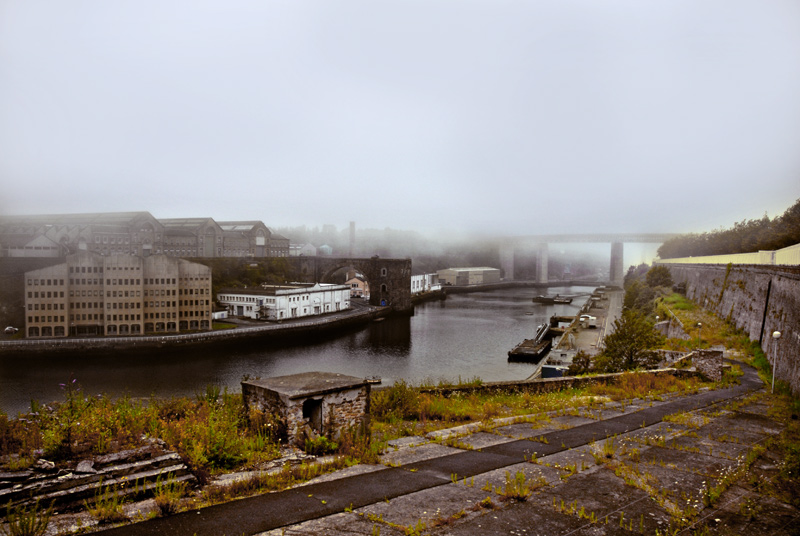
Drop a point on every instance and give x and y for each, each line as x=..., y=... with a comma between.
x=352, y=237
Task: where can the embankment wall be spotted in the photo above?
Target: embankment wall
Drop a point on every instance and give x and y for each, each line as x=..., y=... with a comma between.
x=757, y=299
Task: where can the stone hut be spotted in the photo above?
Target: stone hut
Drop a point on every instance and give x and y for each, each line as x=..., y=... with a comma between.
x=311, y=404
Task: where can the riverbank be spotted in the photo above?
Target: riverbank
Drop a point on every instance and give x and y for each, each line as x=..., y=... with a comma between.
x=286, y=330
x=461, y=289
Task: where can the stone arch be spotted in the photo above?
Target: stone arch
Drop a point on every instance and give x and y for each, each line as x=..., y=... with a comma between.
x=389, y=279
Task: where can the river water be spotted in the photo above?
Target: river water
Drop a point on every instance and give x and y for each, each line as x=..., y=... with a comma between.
x=464, y=336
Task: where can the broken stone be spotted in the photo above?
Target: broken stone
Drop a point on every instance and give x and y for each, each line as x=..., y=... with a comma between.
x=85, y=466
x=45, y=465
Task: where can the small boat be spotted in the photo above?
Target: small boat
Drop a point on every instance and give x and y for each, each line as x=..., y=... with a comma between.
x=552, y=299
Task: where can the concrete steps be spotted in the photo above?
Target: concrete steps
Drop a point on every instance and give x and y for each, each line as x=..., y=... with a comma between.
x=132, y=473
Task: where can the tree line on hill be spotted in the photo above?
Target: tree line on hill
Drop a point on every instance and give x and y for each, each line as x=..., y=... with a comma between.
x=747, y=236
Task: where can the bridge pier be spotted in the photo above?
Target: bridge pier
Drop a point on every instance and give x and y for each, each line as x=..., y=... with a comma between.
x=615, y=272
x=541, y=265
x=507, y=261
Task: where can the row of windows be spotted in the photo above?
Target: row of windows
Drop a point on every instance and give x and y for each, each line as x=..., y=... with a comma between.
x=49, y=294
x=37, y=282
x=86, y=269
x=37, y=319
x=94, y=282
x=112, y=318
x=50, y=306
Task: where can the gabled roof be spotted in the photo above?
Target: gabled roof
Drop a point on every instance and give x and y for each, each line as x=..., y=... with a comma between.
x=242, y=225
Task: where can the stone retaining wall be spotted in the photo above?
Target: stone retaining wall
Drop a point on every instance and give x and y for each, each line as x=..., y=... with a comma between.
x=548, y=384
x=757, y=299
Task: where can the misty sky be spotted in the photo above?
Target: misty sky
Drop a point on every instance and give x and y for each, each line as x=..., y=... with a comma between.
x=492, y=116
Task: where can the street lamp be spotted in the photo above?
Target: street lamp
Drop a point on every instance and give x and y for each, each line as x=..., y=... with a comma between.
x=699, y=331
x=775, y=335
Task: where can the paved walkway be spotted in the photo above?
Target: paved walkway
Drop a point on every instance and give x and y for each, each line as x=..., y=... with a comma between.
x=440, y=487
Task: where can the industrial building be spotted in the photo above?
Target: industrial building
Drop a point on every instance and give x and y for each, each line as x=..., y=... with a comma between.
x=469, y=276
x=138, y=234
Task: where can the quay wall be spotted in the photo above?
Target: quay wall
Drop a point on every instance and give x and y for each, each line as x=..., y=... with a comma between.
x=462, y=289
x=759, y=299
x=190, y=341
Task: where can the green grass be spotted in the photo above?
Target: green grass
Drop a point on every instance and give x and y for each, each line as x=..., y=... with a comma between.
x=222, y=325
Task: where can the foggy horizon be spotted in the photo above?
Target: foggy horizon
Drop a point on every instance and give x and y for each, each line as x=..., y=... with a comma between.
x=463, y=118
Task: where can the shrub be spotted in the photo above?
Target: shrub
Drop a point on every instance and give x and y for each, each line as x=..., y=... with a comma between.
x=400, y=401
x=320, y=446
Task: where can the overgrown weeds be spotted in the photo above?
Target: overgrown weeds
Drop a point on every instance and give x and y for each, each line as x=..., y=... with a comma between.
x=107, y=505
x=168, y=495
x=27, y=521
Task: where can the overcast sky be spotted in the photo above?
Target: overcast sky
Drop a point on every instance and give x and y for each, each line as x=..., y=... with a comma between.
x=517, y=117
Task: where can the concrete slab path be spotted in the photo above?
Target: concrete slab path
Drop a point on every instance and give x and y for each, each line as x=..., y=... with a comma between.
x=434, y=486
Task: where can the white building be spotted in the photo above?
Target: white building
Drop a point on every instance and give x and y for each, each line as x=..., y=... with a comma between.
x=424, y=283
x=281, y=302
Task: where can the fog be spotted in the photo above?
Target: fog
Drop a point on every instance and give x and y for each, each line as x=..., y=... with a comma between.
x=470, y=117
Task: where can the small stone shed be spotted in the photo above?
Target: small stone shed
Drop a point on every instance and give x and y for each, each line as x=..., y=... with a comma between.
x=311, y=404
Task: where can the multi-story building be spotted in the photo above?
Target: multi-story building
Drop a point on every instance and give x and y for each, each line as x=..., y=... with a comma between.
x=93, y=294
x=192, y=237
x=132, y=233
x=280, y=302
x=247, y=239
x=468, y=276
x=136, y=233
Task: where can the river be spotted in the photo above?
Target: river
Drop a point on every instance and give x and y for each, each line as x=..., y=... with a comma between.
x=464, y=336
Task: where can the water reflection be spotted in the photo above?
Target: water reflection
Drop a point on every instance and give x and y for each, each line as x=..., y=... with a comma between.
x=466, y=335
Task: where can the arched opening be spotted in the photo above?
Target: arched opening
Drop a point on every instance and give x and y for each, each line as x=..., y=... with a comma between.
x=33, y=331
x=148, y=327
x=160, y=326
x=112, y=329
x=59, y=331
x=204, y=324
x=351, y=276
x=124, y=329
x=171, y=326
x=194, y=324
x=184, y=325
x=136, y=328
x=47, y=331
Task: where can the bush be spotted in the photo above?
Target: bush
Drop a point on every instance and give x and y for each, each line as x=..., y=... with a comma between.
x=400, y=401
x=320, y=446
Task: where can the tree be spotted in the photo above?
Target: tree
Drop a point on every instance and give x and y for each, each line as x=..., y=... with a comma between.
x=658, y=276
x=631, y=345
x=581, y=364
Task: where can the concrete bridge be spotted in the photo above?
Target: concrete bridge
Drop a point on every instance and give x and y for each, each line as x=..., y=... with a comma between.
x=542, y=242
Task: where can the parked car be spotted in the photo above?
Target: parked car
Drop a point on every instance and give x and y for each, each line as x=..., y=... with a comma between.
x=11, y=330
